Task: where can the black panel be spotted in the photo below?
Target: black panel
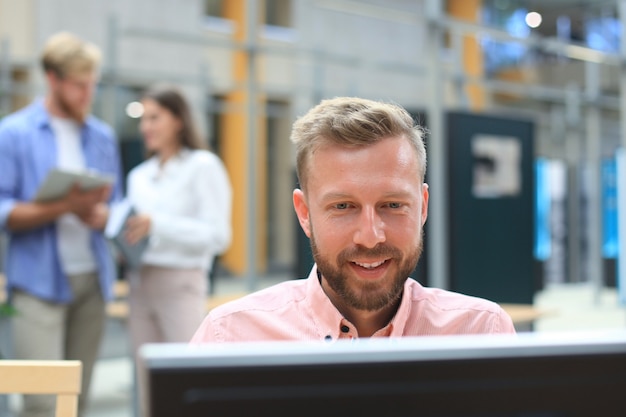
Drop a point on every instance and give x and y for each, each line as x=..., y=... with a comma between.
x=490, y=236
x=576, y=385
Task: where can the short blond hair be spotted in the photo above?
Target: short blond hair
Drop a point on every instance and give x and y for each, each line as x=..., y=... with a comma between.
x=353, y=121
x=65, y=54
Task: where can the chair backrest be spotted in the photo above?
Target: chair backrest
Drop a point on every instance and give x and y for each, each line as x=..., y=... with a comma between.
x=61, y=378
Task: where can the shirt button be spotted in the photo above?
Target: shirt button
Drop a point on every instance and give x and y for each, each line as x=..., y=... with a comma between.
x=345, y=329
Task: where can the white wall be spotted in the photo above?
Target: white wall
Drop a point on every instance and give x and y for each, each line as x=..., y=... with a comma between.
x=17, y=18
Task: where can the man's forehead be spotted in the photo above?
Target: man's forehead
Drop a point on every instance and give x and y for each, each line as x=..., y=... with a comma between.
x=339, y=174
x=392, y=148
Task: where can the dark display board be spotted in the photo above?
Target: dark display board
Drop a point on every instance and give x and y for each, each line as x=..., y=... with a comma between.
x=491, y=207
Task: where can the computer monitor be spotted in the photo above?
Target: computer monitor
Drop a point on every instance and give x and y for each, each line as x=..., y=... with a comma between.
x=529, y=375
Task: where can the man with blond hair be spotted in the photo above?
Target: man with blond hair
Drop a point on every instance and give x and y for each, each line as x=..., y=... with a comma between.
x=362, y=203
x=58, y=267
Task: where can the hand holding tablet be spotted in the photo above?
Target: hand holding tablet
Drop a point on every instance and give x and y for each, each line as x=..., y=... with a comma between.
x=59, y=182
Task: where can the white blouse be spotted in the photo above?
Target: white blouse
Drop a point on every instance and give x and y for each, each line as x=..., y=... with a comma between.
x=189, y=200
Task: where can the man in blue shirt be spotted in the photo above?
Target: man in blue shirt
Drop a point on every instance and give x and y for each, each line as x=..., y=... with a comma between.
x=58, y=267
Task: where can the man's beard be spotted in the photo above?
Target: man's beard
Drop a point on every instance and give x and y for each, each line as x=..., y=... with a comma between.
x=369, y=296
x=74, y=112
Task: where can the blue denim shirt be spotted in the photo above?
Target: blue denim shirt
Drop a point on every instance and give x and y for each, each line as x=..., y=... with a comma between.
x=28, y=151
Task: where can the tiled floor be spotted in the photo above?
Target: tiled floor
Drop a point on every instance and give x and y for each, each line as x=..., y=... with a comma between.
x=568, y=307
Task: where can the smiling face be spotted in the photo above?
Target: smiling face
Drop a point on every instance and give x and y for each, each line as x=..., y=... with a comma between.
x=363, y=210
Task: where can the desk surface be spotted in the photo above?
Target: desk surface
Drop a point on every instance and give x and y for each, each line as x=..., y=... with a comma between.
x=524, y=313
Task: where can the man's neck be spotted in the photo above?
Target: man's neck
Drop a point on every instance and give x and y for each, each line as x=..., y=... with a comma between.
x=54, y=109
x=369, y=322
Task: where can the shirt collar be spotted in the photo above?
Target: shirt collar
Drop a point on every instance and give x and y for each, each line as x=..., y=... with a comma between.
x=327, y=317
x=171, y=165
x=176, y=159
x=41, y=116
x=398, y=322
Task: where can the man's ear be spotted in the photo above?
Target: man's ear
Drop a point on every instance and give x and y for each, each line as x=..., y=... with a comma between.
x=302, y=211
x=424, y=203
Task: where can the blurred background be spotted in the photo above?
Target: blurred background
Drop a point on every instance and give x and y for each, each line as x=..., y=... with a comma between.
x=525, y=102
x=550, y=72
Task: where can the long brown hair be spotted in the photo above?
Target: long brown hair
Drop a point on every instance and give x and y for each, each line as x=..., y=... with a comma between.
x=172, y=99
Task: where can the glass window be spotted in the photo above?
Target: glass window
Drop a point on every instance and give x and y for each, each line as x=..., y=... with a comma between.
x=603, y=33
x=213, y=8
x=278, y=13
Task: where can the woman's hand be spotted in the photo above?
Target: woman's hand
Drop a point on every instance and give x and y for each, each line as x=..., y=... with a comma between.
x=137, y=227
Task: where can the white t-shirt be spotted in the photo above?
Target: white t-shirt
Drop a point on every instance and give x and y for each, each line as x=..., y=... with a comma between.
x=73, y=237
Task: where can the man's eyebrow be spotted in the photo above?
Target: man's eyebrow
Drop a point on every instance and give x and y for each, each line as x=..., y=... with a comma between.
x=397, y=194
x=332, y=196
x=338, y=196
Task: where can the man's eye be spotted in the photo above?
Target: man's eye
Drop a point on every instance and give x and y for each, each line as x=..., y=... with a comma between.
x=341, y=206
x=395, y=205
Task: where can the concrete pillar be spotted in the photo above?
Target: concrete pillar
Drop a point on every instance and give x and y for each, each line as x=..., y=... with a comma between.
x=595, y=270
x=573, y=157
x=436, y=226
x=5, y=77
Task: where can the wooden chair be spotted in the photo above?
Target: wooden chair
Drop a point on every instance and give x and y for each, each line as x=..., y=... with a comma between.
x=61, y=378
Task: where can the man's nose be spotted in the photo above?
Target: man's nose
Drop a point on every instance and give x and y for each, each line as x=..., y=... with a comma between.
x=370, y=230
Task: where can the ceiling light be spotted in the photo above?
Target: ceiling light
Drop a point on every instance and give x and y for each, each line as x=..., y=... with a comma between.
x=533, y=20
x=134, y=109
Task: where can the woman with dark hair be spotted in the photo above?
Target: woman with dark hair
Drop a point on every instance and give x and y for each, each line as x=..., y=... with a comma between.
x=182, y=197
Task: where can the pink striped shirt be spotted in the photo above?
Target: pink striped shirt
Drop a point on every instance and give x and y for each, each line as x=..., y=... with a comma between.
x=300, y=310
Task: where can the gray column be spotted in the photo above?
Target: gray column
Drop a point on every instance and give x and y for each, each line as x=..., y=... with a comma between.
x=436, y=227
x=5, y=77
x=573, y=152
x=109, y=97
x=595, y=271
x=251, y=244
